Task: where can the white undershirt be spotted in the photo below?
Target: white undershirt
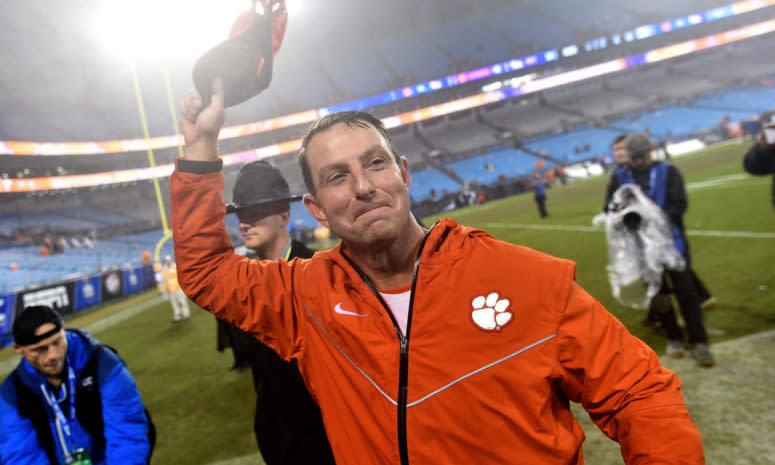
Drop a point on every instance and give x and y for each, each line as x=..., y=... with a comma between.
x=399, y=305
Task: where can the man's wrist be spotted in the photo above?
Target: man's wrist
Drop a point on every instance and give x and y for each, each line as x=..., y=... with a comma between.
x=202, y=150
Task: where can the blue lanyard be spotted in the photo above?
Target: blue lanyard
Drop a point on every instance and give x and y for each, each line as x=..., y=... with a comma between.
x=652, y=181
x=53, y=402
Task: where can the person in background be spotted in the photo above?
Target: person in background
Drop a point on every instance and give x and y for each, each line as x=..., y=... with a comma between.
x=178, y=299
x=664, y=184
x=620, y=163
x=145, y=256
x=160, y=285
x=287, y=422
x=539, y=194
x=433, y=346
x=70, y=399
x=621, y=160
x=760, y=158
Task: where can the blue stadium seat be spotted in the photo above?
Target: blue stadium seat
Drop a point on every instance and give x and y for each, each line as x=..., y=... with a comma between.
x=431, y=178
x=676, y=122
x=503, y=160
x=561, y=146
x=758, y=99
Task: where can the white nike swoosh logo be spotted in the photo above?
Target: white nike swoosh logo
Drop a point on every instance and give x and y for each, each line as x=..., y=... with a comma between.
x=338, y=309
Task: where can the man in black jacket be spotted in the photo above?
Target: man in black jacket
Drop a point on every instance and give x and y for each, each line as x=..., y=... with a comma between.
x=760, y=159
x=288, y=425
x=664, y=184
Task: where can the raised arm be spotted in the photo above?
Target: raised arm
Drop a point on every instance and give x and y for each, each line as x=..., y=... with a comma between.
x=254, y=296
x=622, y=385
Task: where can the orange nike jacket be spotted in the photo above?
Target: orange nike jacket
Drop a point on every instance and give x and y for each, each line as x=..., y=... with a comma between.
x=499, y=340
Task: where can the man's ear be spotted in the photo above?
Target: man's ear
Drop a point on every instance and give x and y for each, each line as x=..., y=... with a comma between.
x=313, y=207
x=17, y=348
x=403, y=165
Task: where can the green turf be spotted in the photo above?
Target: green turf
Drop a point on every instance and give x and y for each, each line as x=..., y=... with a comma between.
x=203, y=412
x=732, y=268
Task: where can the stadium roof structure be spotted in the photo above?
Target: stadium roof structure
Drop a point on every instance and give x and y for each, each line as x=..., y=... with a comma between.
x=65, y=77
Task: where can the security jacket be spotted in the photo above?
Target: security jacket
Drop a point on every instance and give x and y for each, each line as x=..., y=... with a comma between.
x=498, y=341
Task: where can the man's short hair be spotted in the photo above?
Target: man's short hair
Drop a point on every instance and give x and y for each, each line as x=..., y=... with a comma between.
x=32, y=318
x=353, y=119
x=618, y=139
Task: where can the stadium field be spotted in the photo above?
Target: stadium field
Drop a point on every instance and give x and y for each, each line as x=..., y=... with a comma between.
x=203, y=412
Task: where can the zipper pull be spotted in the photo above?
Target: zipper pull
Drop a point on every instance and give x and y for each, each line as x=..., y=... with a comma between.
x=404, y=346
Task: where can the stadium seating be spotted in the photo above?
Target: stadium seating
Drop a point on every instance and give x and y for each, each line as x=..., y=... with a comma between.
x=599, y=103
x=488, y=168
x=755, y=99
x=528, y=117
x=409, y=146
x=561, y=146
x=75, y=218
x=431, y=179
x=458, y=134
x=672, y=122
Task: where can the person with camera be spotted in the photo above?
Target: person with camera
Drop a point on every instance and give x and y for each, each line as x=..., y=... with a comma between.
x=760, y=159
x=663, y=184
x=71, y=400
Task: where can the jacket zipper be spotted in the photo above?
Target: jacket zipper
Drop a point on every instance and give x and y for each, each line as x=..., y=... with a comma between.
x=403, y=346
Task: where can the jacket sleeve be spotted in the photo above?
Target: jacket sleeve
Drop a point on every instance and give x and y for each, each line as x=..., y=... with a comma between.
x=759, y=160
x=126, y=426
x=677, y=202
x=255, y=296
x=620, y=382
x=18, y=439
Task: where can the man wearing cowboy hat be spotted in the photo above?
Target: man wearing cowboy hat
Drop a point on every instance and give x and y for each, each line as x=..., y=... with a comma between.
x=287, y=424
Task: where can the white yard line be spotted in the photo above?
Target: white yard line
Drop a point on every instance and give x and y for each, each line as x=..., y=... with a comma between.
x=116, y=318
x=711, y=182
x=577, y=228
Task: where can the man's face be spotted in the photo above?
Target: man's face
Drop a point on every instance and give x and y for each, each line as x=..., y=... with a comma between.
x=262, y=226
x=361, y=193
x=620, y=154
x=640, y=162
x=47, y=356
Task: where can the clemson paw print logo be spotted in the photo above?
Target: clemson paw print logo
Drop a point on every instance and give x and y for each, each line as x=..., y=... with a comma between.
x=490, y=312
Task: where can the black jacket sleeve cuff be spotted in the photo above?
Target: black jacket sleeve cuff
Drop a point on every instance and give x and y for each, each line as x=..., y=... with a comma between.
x=198, y=167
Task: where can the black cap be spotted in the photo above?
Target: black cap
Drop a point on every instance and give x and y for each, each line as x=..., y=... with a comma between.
x=637, y=145
x=259, y=183
x=32, y=318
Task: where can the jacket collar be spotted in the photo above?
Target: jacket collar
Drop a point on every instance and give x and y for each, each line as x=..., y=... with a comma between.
x=447, y=242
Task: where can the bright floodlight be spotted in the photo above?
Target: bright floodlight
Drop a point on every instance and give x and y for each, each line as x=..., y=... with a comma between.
x=293, y=7
x=166, y=28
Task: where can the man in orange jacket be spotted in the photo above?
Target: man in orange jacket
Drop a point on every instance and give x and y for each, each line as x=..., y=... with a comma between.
x=425, y=346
